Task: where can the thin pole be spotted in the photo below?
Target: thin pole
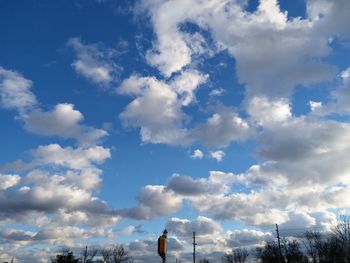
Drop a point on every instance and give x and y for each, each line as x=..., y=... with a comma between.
x=279, y=243
x=194, y=247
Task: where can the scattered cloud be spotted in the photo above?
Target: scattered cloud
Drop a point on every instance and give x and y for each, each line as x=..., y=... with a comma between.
x=8, y=180
x=95, y=62
x=203, y=226
x=217, y=155
x=63, y=121
x=217, y=92
x=154, y=200
x=197, y=154
x=222, y=128
x=15, y=91
x=156, y=109
x=265, y=112
x=274, y=55
x=186, y=185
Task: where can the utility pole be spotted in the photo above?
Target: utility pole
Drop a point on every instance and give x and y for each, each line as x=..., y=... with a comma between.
x=85, y=254
x=279, y=243
x=194, y=247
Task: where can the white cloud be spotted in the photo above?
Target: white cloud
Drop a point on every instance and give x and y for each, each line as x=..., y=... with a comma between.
x=56, y=197
x=95, y=62
x=222, y=128
x=342, y=94
x=170, y=52
x=197, y=154
x=246, y=237
x=15, y=91
x=216, y=184
x=8, y=180
x=63, y=121
x=79, y=158
x=217, y=92
x=273, y=54
x=186, y=84
x=331, y=16
x=315, y=105
x=154, y=200
x=156, y=110
x=203, y=226
x=268, y=112
x=217, y=155
x=186, y=185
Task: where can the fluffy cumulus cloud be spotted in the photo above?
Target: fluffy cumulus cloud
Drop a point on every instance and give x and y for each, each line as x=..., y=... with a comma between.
x=95, y=62
x=222, y=128
x=264, y=111
x=63, y=121
x=202, y=226
x=15, y=91
x=273, y=53
x=156, y=109
x=246, y=238
x=186, y=185
x=154, y=200
x=217, y=155
x=56, y=196
x=197, y=154
x=8, y=180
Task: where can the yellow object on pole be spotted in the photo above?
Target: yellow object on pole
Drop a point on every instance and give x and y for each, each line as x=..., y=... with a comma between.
x=162, y=246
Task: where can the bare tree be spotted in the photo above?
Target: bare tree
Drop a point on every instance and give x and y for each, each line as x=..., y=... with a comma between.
x=204, y=260
x=120, y=254
x=239, y=255
x=106, y=255
x=333, y=247
x=341, y=234
x=88, y=255
x=313, y=244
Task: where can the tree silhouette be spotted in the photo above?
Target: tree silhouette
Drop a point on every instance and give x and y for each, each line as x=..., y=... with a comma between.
x=239, y=255
x=291, y=253
x=120, y=254
x=65, y=257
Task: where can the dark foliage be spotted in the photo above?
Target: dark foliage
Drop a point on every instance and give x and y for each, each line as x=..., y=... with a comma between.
x=65, y=257
x=290, y=253
x=332, y=248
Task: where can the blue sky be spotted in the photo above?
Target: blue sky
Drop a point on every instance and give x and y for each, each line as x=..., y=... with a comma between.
x=120, y=118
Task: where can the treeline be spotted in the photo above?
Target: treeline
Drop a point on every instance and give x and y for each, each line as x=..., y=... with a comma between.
x=313, y=247
x=116, y=254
